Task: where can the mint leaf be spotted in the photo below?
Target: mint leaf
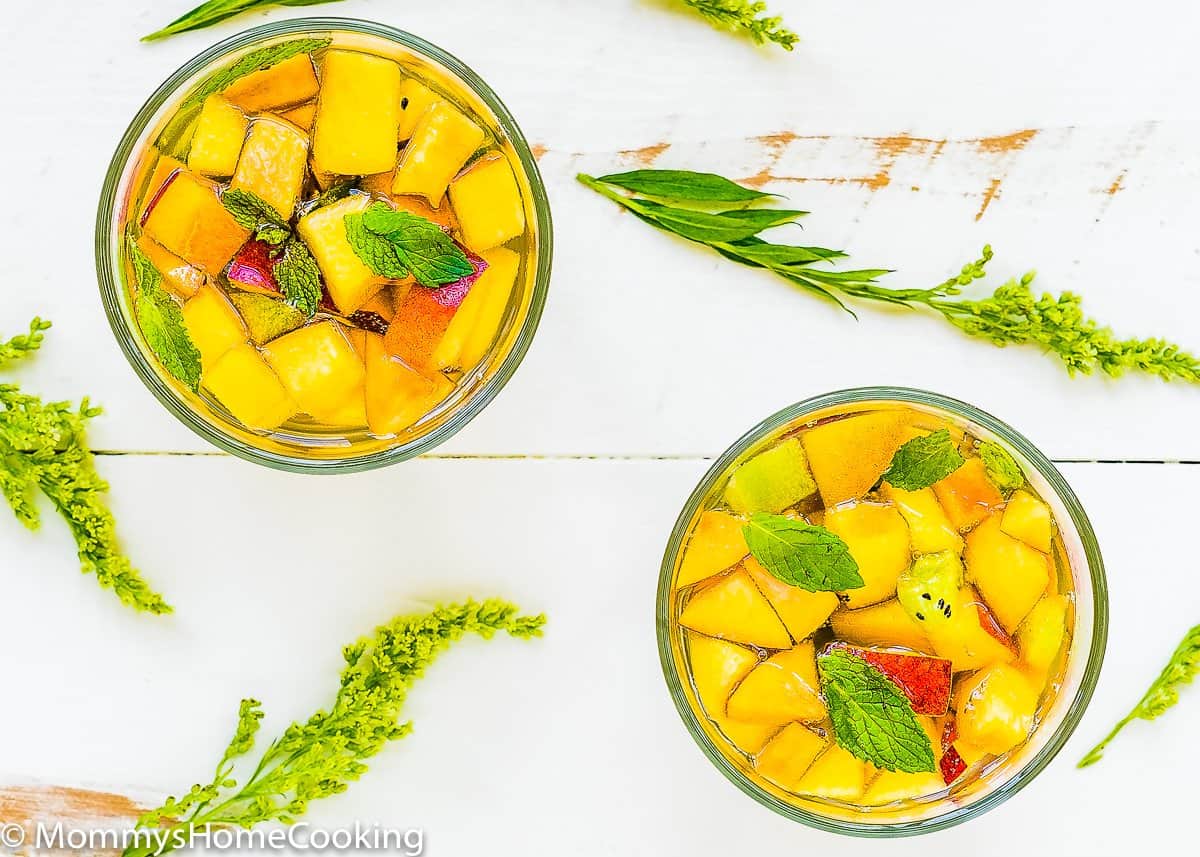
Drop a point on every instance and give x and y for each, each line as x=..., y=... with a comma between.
x=1000, y=467
x=683, y=186
x=253, y=212
x=801, y=554
x=215, y=11
x=161, y=321
x=871, y=718
x=923, y=461
x=713, y=227
x=299, y=277
x=389, y=241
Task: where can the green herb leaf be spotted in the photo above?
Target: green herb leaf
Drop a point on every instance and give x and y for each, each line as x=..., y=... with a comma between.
x=389, y=241
x=743, y=16
x=215, y=11
x=1162, y=694
x=714, y=227
x=801, y=554
x=322, y=754
x=683, y=186
x=299, y=277
x=161, y=322
x=924, y=460
x=1000, y=467
x=872, y=718
x=253, y=212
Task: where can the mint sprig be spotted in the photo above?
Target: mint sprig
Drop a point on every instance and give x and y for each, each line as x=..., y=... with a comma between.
x=253, y=212
x=924, y=460
x=683, y=186
x=872, y=718
x=395, y=244
x=801, y=554
x=161, y=321
x=1000, y=467
x=298, y=276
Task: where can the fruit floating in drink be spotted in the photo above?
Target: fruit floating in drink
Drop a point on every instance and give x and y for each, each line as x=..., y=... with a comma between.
x=329, y=241
x=872, y=614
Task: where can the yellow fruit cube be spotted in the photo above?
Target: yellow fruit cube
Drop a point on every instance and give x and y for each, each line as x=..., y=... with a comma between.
x=273, y=163
x=213, y=325
x=716, y=667
x=397, y=395
x=781, y=689
x=475, y=326
x=1009, y=574
x=282, y=85
x=802, y=611
x=186, y=217
x=788, y=755
x=220, y=132
x=996, y=709
x=179, y=277
x=243, y=382
x=441, y=143
x=893, y=786
x=715, y=544
x=349, y=281
x=929, y=528
x=415, y=99
x=358, y=114
x=1027, y=518
x=885, y=624
x=732, y=608
x=967, y=495
x=318, y=366
x=836, y=775
x=1040, y=637
x=487, y=202
x=848, y=456
x=302, y=117
x=164, y=168
x=878, y=540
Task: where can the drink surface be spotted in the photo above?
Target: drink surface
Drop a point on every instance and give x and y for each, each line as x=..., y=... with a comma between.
x=347, y=235
x=872, y=614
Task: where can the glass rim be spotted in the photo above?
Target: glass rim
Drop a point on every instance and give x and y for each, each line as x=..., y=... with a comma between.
x=1083, y=529
x=111, y=289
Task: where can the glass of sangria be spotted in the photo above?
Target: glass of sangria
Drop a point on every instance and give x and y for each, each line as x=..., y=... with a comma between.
x=881, y=612
x=324, y=245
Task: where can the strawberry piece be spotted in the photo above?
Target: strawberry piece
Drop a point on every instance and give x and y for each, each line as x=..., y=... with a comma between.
x=924, y=680
x=252, y=269
x=951, y=764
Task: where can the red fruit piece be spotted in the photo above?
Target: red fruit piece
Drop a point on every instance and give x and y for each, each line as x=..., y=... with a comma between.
x=924, y=680
x=951, y=764
x=422, y=316
x=252, y=269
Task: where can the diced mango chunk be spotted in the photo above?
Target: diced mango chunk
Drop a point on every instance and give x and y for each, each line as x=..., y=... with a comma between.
x=801, y=611
x=487, y=202
x=781, y=689
x=836, y=775
x=786, y=757
x=187, y=218
x=213, y=325
x=281, y=85
x=771, y=481
x=732, y=608
x=1027, y=518
x=273, y=163
x=1040, y=637
x=878, y=540
x=397, y=396
x=1009, y=574
x=847, y=456
x=716, y=543
x=164, y=167
x=929, y=528
x=885, y=624
x=243, y=382
x=967, y=495
x=220, y=132
x=302, y=117
x=349, y=281
x=441, y=143
x=179, y=277
x=716, y=666
x=318, y=366
x=893, y=786
x=358, y=114
x=996, y=709
x=476, y=325
x=415, y=99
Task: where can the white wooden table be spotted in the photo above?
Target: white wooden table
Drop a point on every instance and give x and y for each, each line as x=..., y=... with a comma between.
x=1063, y=133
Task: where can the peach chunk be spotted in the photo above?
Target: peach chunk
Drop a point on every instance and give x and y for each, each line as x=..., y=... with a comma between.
x=1027, y=518
x=488, y=203
x=716, y=667
x=358, y=114
x=476, y=325
x=441, y=143
x=716, y=543
x=801, y=611
x=243, y=382
x=220, y=132
x=848, y=456
x=282, y=85
x=996, y=709
x=415, y=99
x=836, y=774
x=179, y=277
x=781, y=689
x=1009, y=574
x=967, y=495
x=213, y=325
x=732, y=608
x=788, y=755
x=878, y=540
x=319, y=368
x=273, y=163
x=187, y=218
x=349, y=281
x=885, y=624
x=302, y=116
x=397, y=396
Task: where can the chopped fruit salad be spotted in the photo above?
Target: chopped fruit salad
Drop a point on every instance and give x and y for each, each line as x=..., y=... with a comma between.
x=872, y=611
x=328, y=237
